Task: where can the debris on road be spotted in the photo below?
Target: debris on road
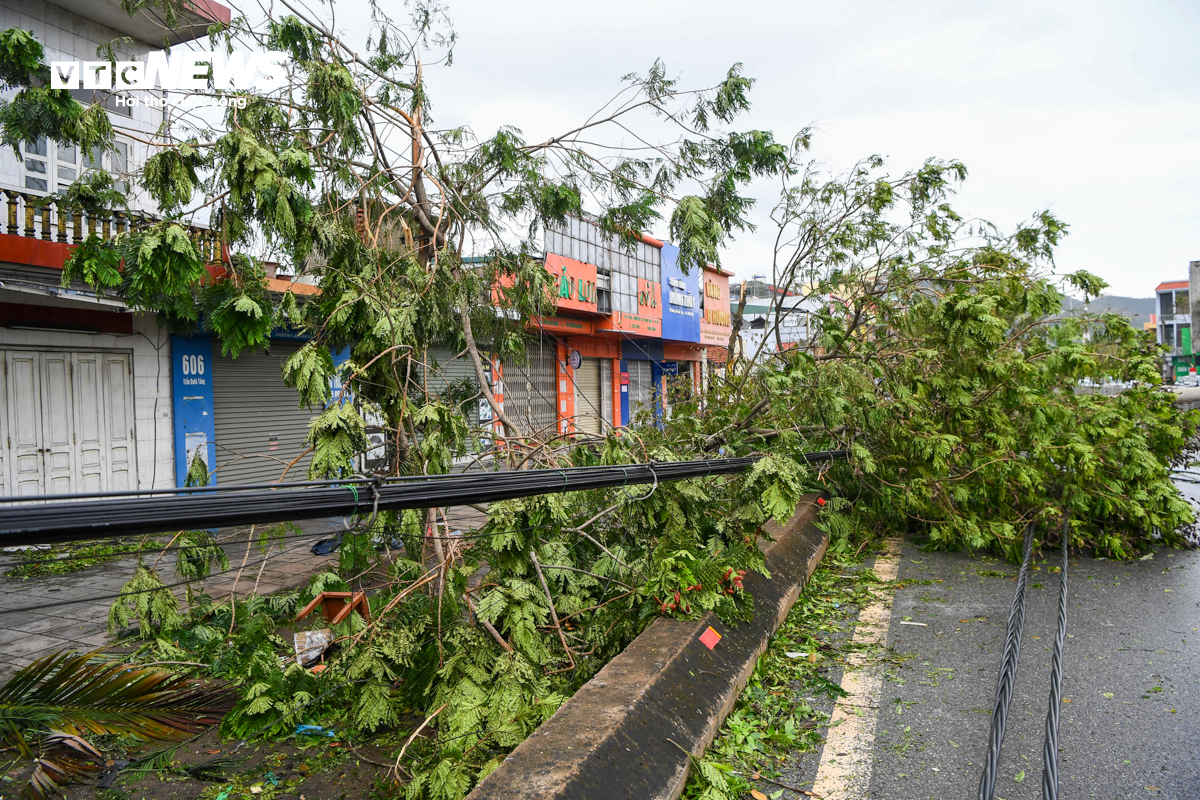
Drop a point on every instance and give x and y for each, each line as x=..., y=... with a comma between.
x=311, y=645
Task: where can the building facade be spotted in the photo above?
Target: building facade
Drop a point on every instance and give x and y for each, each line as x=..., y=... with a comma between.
x=766, y=306
x=87, y=402
x=1173, y=327
x=98, y=398
x=630, y=333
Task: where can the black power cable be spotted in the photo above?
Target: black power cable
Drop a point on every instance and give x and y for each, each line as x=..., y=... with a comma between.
x=1008, y=675
x=1050, y=747
x=54, y=522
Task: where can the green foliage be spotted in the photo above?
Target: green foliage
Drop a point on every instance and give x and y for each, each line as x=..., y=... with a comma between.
x=94, y=193
x=56, y=700
x=945, y=368
x=171, y=175
x=22, y=60
x=148, y=602
x=308, y=370
x=35, y=563
x=167, y=271
x=198, y=474
x=238, y=307
x=95, y=264
x=336, y=436
x=935, y=359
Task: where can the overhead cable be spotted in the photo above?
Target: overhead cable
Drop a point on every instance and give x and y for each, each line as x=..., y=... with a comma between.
x=51, y=521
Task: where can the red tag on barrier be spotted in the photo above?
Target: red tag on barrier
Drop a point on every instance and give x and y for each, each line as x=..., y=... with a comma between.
x=710, y=638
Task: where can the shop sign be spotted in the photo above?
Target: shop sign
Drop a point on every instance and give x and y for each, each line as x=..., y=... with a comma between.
x=575, y=283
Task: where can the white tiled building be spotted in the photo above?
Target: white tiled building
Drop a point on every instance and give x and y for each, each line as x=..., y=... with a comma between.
x=86, y=403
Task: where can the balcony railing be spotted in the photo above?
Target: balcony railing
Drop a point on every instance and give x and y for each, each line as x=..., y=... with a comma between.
x=35, y=217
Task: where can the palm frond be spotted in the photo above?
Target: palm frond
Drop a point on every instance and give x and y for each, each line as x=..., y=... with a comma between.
x=60, y=763
x=79, y=693
x=58, y=699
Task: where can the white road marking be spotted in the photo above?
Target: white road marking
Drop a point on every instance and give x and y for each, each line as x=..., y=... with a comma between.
x=845, y=769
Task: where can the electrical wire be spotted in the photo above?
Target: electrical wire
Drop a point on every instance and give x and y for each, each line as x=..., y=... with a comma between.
x=54, y=522
x=1007, y=676
x=1050, y=745
x=391, y=530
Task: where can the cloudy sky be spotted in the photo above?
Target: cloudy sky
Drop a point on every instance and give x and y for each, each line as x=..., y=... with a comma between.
x=1090, y=109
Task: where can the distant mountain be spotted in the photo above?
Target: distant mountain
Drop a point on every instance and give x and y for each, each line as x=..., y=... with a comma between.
x=1138, y=309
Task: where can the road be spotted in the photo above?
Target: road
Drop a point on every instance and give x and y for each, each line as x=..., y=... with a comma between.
x=1131, y=713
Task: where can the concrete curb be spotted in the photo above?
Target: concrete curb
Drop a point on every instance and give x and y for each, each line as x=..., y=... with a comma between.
x=620, y=735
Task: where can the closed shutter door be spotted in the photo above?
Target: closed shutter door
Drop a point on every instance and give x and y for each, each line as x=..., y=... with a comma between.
x=517, y=393
x=67, y=420
x=446, y=372
x=543, y=381
x=259, y=427
x=640, y=387
x=588, y=405
x=606, y=384
x=529, y=390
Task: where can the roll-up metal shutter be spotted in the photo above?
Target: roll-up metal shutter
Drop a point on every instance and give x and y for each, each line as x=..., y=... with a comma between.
x=259, y=425
x=449, y=370
x=606, y=395
x=640, y=387
x=588, y=402
x=530, y=394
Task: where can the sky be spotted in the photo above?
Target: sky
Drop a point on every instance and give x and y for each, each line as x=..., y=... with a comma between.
x=1088, y=109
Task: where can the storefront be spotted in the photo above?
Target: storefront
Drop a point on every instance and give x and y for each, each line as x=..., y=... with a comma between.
x=85, y=396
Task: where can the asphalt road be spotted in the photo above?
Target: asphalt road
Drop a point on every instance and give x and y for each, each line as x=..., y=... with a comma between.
x=1131, y=674
x=1131, y=728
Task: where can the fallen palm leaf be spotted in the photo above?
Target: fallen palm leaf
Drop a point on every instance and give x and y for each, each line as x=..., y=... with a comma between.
x=58, y=699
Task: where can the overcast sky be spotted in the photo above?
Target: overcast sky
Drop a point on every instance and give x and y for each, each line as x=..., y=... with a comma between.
x=1090, y=109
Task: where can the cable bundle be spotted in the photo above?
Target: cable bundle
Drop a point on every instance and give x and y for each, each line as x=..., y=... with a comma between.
x=49, y=520
x=1008, y=676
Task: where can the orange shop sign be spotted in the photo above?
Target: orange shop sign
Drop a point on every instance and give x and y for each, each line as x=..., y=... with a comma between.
x=648, y=320
x=575, y=283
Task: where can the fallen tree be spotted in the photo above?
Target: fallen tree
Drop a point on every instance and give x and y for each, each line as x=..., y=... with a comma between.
x=936, y=356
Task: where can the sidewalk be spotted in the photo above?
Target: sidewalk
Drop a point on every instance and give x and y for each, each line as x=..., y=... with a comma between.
x=32, y=624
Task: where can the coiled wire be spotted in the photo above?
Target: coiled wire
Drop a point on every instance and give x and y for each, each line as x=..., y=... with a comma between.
x=1008, y=675
x=1050, y=747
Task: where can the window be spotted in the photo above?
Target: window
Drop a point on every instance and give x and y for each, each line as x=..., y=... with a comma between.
x=1167, y=301
x=1182, y=304
x=37, y=172
x=54, y=167
x=105, y=98
x=1168, y=335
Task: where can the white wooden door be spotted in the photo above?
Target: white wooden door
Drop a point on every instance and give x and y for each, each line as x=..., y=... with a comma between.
x=24, y=422
x=118, y=405
x=66, y=422
x=58, y=424
x=89, y=421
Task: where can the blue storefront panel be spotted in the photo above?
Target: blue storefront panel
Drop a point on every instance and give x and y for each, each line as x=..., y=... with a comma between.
x=192, y=393
x=680, y=299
